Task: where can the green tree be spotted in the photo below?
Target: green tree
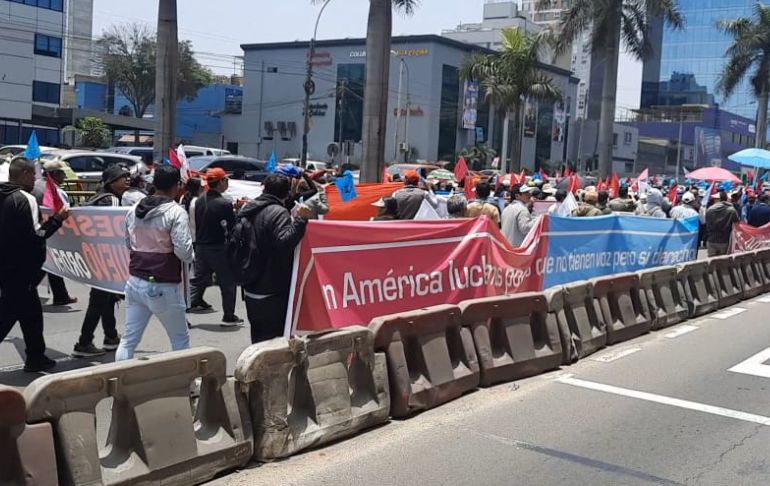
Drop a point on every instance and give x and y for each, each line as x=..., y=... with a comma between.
x=609, y=21
x=93, y=132
x=508, y=78
x=129, y=62
x=749, y=57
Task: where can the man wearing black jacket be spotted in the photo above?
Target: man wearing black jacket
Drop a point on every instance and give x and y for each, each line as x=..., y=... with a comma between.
x=277, y=233
x=22, y=244
x=214, y=219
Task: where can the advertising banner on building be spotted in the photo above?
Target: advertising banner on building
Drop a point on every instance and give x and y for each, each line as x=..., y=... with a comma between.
x=530, y=118
x=748, y=238
x=470, y=105
x=709, y=146
x=90, y=248
x=581, y=248
x=559, y=118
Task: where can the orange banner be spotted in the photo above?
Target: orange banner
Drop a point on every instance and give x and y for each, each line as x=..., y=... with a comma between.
x=360, y=208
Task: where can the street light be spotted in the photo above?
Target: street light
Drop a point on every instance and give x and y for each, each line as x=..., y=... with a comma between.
x=403, y=66
x=310, y=86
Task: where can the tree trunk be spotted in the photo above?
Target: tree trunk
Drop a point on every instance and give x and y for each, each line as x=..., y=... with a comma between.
x=376, y=91
x=761, y=138
x=518, y=116
x=609, y=89
x=166, y=78
x=504, y=152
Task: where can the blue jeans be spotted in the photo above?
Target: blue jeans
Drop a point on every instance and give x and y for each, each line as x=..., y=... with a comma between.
x=168, y=306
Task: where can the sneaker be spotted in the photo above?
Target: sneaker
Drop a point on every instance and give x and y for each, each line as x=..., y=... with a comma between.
x=67, y=301
x=231, y=321
x=200, y=306
x=111, y=344
x=37, y=365
x=87, y=351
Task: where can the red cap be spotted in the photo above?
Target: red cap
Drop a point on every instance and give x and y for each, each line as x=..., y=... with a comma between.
x=215, y=174
x=411, y=176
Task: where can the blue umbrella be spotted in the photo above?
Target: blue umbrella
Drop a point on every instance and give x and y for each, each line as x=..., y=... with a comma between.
x=752, y=157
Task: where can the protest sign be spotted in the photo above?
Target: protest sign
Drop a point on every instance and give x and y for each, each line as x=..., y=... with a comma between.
x=748, y=238
x=90, y=248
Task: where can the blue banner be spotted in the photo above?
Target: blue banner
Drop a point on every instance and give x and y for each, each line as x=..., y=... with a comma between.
x=583, y=248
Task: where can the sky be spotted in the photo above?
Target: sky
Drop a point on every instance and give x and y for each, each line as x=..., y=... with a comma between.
x=218, y=28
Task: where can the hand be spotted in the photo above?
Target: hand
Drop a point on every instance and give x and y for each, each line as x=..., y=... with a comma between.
x=63, y=213
x=304, y=212
x=239, y=203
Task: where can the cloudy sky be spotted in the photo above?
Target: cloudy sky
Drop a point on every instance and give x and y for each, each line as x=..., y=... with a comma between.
x=217, y=28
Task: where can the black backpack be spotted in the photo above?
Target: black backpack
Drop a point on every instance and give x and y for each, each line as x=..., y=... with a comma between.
x=242, y=250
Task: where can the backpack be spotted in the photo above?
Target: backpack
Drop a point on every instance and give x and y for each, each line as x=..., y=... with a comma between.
x=242, y=251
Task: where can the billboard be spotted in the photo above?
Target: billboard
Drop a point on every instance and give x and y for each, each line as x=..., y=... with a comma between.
x=708, y=146
x=470, y=105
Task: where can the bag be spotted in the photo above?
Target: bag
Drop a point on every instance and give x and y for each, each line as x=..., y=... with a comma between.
x=242, y=251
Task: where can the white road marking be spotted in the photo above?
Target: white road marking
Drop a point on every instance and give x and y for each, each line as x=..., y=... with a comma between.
x=614, y=355
x=755, y=365
x=664, y=400
x=726, y=314
x=764, y=300
x=681, y=330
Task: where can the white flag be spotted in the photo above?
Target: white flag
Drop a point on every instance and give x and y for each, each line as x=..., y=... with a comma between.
x=426, y=211
x=567, y=206
x=184, y=171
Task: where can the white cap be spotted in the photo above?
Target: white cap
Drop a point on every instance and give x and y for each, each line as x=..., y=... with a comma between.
x=688, y=197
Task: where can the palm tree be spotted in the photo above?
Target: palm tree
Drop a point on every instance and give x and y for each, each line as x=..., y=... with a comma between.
x=749, y=55
x=608, y=21
x=508, y=78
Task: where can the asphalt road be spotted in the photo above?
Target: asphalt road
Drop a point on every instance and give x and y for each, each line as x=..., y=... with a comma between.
x=661, y=409
x=62, y=329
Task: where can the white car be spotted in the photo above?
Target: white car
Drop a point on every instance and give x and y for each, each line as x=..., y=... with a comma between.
x=312, y=165
x=147, y=153
x=14, y=150
x=90, y=165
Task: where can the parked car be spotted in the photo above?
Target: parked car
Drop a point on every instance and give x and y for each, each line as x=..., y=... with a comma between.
x=90, y=165
x=400, y=169
x=196, y=151
x=237, y=167
x=14, y=150
x=311, y=165
x=147, y=153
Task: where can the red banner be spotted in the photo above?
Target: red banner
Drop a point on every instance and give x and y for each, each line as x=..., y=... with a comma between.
x=748, y=238
x=350, y=272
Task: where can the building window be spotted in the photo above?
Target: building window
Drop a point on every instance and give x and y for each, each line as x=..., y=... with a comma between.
x=448, y=112
x=43, y=92
x=627, y=138
x=46, y=45
x=349, y=110
x=614, y=139
x=57, y=5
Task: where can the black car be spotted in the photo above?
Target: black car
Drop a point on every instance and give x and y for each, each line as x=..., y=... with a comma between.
x=241, y=168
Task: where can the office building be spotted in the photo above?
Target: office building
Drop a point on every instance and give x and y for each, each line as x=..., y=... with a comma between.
x=79, y=48
x=686, y=64
x=433, y=123
x=498, y=15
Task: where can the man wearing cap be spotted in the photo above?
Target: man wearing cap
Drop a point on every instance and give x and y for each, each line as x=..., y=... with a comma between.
x=517, y=220
x=101, y=304
x=214, y=219
x=587, y=208
x=685, y=209
x=22, y=244
x=56, y=169
x=410, y=197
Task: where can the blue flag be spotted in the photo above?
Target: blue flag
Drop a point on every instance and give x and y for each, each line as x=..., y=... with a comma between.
x=33, y=148
x=347, y=186
x=272, y=164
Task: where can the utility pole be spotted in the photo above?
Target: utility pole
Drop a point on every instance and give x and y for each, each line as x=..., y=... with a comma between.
x=398, y=111
x=165, y=79
x=261, y=101
x=309, y=87
x=343, y=86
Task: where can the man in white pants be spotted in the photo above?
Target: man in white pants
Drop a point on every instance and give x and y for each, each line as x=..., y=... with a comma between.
x=158, y=237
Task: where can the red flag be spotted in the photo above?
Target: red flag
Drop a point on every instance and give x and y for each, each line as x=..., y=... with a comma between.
x=602, y=186
x=567, y=171
x=758, y=188
x=461, y=169
x=574, y=183
x=751, y=177
x=523, y=177
x=468, y=189
x=498, y=182
x=643, y=176
x=51, y=198
x=514, y=179
x=385, y=175
x=174, y=159
x=673, y=194
x=614, y=185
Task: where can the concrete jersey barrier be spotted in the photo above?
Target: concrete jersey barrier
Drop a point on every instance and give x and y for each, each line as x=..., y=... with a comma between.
x=153, y=436
x=513, y=335
x=700, y=290
x=763, y=266
x=431, y=357
x=312, y=390
x=665, y=296
x=750, y=272
x=579, y=319
x=623, y=306
x=728, y=280
x=27, y=454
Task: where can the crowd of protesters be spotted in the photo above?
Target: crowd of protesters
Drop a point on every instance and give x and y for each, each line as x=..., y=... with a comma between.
x=191, y=231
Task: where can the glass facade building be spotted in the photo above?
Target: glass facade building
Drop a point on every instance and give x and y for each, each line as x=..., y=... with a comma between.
x=685, y=65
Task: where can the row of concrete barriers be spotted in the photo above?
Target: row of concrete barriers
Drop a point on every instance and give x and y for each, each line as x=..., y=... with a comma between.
x=292, y=394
